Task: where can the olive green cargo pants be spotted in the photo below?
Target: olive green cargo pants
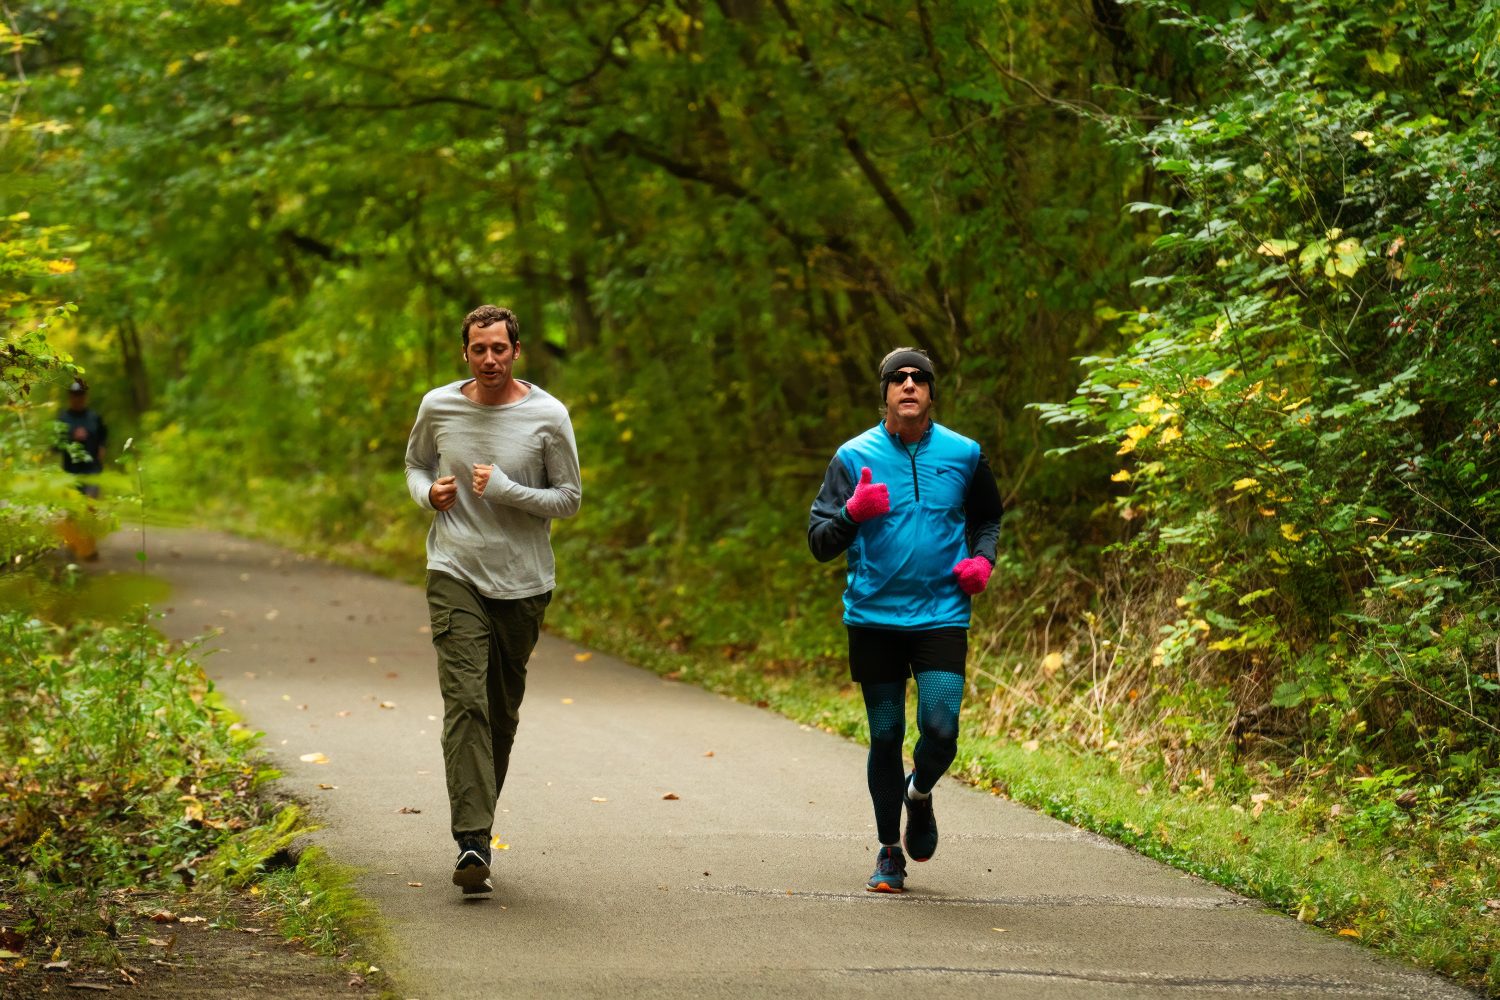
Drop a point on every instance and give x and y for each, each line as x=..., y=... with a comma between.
x=482, y=645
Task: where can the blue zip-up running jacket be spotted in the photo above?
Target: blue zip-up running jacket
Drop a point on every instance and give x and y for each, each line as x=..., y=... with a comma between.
x=945, y=507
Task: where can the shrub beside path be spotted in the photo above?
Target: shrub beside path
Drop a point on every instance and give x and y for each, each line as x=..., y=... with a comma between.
x=666, y=842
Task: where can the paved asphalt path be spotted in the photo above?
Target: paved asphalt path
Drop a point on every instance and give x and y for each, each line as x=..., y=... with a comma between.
x=749, y=883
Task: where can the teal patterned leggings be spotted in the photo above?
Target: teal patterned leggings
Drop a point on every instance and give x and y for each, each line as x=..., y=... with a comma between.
x=939, y=694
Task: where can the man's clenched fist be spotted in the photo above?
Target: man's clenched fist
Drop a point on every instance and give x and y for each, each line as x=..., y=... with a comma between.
x=444, y=492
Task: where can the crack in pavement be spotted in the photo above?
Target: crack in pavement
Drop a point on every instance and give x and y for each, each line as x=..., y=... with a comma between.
x=1056, y=901
x=1237, y=984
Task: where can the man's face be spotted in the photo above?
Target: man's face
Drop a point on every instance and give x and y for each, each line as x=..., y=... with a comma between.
x=490, y=354
x=78, y=401
x=907, y=398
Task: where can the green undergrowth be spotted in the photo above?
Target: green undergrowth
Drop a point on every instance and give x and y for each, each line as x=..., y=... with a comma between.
x=128, y=787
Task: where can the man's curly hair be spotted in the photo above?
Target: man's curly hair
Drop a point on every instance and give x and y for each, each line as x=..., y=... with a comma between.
x=486, y=315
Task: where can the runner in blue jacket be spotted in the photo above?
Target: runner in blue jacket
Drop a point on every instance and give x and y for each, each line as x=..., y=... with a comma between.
x=915, y=508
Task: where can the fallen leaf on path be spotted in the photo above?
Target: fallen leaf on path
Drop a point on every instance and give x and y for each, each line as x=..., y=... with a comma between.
x=6, y=953
x=374, y=659
x=159, y=942
x=567, y=701
x=1348, y=932
x=391, y=675
x=432, y=718
x=583, y=657
x=252, y=930
x=708, y=753
x=387, y=704
x=407, y=810
x=670, y=796
x=998, y=930
x=345, y=714
x=164, y=917
x=415, y=885
x=56, y=966
x=497, y=846
x=89, y=986
x=327, y=788
x=193, y=920
x=314, y=758
x=598, y=799
x=393, y=873
x=271, y=615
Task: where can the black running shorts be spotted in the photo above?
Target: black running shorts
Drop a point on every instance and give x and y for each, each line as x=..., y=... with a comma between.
x=887, y=654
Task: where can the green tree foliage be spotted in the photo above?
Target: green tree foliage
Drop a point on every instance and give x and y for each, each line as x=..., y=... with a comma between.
x=1304, y=404
x=35, y=254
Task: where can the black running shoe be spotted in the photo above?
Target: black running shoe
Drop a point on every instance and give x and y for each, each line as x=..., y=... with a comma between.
x=472, y=873
x=921, y=828
x=890, y=871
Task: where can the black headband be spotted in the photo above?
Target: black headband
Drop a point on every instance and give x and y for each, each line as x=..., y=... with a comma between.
x=905, y=359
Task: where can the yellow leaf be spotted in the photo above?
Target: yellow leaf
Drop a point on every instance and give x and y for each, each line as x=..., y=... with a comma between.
x=1290, y=533
x=1052, y=663
x=1133, y=435
x=1168, y=435
x=62, y=266
x=495, y=844
x=1123, y=476
x=567, y=701
x=314, y=758
x=1348, y=932
x=583, y=657
x=1148, y=405
x=1276, y=248
x=1245, y=484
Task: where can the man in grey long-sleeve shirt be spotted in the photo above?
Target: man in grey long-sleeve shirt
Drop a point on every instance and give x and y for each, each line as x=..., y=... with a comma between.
x=494, y=458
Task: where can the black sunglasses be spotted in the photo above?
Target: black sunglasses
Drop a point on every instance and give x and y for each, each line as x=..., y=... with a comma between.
x=899, y=378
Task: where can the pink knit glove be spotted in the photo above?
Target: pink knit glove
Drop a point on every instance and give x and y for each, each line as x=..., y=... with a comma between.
x=869, y=499
x=973, y=574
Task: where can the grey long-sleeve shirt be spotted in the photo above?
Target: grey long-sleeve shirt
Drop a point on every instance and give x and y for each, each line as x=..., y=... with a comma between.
x=501, y=543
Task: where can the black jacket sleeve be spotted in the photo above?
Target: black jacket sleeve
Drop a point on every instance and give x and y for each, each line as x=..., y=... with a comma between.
x=982, y=510
x=829, y=531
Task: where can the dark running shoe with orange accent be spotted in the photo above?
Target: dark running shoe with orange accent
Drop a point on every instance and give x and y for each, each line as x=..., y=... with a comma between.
x=890, y=871
x=472, y=873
